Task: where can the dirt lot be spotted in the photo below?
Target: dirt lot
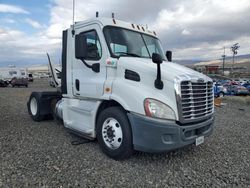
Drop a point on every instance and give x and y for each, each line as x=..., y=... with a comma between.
x=41, y=155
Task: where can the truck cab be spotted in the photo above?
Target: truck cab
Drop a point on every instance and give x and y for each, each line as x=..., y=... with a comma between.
x=117, y=85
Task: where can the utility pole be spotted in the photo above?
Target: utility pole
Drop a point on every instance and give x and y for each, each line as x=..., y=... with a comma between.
x=234, y=49
x=223, y=62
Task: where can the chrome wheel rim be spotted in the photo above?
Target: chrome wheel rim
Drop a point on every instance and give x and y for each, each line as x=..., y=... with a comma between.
x=33, y=106
x=112, y=133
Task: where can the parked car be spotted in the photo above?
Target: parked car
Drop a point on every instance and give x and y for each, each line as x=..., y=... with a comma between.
x=247, y=85
x=19, y=82
x=222, y=82
x=219, y=90
x=237, y=90
x=231, y=83
x=3, y=83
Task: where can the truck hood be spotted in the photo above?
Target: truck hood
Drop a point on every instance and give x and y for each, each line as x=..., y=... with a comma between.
x=169, y=70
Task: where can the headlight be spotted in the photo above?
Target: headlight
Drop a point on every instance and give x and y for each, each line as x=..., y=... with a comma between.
x=156, y=109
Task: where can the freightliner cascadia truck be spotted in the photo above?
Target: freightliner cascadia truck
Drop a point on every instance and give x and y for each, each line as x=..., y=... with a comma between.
x=119, y=87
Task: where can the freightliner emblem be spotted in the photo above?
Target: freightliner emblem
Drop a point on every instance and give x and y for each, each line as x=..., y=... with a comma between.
x=200, y=80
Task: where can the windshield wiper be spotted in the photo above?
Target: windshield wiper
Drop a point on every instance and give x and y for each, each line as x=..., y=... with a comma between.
x=128, y=54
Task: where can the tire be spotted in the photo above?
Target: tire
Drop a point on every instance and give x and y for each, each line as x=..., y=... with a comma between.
x=114, y=133
x=221, y=95
x=34, y=107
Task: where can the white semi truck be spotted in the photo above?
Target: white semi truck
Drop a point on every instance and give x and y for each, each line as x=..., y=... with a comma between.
x=118, y=86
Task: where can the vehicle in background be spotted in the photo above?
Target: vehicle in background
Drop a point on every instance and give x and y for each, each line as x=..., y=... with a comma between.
x=230, y=83
x=30, y=77
x=241, y=81
x=19, y=82
x=8, y=73
x=3, y=83
x=236, y=89
x=222, y=82
x=219, y=90
x=247, y=85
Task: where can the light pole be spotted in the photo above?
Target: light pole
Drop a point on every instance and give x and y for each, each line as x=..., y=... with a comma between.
x=223, y=61
x=234, y=49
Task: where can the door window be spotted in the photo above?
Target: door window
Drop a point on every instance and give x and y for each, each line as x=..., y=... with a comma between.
x=94, y=50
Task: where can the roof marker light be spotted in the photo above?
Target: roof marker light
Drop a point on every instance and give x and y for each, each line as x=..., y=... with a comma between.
x=138, y=27
x=143, y=28
x=154, y=33
x=133, y=25
x=114, y=21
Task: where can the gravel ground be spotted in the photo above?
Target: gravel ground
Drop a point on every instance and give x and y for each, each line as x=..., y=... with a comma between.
x=41, y=155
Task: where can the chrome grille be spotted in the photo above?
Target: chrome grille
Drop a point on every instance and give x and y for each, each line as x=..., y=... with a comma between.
x=196, y=100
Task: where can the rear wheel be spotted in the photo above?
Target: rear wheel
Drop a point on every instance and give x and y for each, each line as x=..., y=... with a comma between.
x=114, y=133
x=34, y=107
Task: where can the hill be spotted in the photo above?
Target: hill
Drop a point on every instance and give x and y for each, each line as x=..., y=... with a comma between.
x=241, y=60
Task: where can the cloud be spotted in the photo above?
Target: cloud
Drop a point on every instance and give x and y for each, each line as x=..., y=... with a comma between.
x=188, y=25
x=196, y=28
x=20, y=48
x=193, y=29
x=33, y=23
x=8, y=20
x=2, y=32
x=186, y=32
x=5, y=8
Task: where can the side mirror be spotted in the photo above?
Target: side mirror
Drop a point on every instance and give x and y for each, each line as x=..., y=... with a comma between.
x=156, y=58
x=80, y=46
x=169, y=55
x=96, y=67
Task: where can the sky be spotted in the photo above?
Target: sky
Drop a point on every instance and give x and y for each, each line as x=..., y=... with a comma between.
x=192, y=29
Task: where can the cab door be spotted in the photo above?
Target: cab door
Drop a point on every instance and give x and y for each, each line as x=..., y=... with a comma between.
x=86, y=82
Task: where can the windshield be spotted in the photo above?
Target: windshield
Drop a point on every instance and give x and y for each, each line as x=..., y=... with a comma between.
x=124, y=42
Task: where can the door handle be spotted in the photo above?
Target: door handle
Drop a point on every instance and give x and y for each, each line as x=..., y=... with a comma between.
x=77, y=84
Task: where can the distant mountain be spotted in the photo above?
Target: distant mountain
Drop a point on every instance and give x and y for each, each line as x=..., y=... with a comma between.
x=240, y=59
x=245, y=56
x=229, y=59
x=187, y=61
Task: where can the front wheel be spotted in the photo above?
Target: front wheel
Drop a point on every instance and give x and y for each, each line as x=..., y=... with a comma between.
x=114, y=133
x=221, y=94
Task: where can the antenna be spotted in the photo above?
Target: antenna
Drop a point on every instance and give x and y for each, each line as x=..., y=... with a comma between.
x=113, y=15
x=97, y=14
x=73, y=27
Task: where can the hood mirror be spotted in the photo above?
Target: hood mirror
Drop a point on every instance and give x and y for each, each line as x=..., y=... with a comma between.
x=157, y=59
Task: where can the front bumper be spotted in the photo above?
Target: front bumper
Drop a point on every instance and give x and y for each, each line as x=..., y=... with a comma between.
x=153, y=135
